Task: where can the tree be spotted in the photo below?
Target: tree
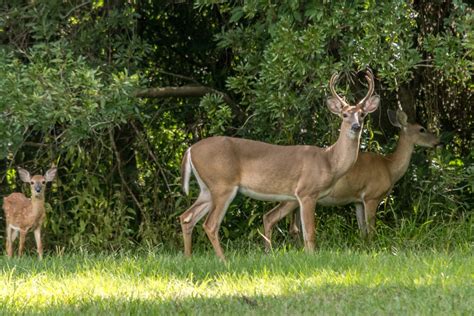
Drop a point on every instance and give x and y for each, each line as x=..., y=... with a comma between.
x=114, y=92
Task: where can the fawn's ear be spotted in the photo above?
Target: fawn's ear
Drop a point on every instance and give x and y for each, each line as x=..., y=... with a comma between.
x=50, y=174
x=24, y=175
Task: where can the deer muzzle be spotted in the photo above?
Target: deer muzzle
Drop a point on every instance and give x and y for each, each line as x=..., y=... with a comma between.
x=355, y=127
x=37, y=188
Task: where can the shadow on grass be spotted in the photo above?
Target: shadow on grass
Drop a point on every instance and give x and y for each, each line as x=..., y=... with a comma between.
x=326, y=282
x=326, y=299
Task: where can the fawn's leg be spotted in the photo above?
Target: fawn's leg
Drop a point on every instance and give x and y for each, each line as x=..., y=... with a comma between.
x=39, y=244
x=22, y=242
x=9, y=244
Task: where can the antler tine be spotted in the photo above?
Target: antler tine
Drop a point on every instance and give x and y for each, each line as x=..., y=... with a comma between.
x=370, y=79
x=332, y=82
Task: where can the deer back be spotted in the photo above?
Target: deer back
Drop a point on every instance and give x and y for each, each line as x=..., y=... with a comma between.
x=253, y=165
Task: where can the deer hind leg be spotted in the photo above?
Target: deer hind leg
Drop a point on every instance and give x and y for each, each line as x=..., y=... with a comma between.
x=14, y=235
x=307, y=205
x=361, y=221
x=189, y=219
x=221, y=202
x=22, y=242
x=39, y=244
x=274, y=216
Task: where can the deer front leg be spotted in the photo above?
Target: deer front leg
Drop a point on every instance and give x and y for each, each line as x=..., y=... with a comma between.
x=22, y=242
x=361, y=221
x=295, y=224
x=370, y=210
x=307, y=205
x=39, y=244
x=274, y=216
x=9, y=244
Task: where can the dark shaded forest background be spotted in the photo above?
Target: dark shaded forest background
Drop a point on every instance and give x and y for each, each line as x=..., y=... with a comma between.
x=113, y=92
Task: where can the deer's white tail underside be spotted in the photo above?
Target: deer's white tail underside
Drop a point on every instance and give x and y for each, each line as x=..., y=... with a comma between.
x=187, y=171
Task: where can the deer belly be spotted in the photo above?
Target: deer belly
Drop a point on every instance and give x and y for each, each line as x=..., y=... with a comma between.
x=15, y=227
x=330, y=200
x=265, y=196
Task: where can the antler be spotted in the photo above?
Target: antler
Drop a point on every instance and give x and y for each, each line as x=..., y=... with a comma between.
x=370, y=79
x=332, y=82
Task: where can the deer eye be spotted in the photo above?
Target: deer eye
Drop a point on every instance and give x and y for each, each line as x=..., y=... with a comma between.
x=43, y=182
x=422, y=130
x=345, y=115
x=32, y=183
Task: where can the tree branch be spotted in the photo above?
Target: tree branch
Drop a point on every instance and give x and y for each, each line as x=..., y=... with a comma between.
x=153, y=156
x=179, y=76
x=119, y=168
x=181, y=92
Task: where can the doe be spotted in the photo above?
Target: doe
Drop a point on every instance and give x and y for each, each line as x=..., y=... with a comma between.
x=23, y=214
x=368, y=182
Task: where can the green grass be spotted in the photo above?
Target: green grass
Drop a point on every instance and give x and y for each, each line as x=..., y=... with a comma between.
x=286, y=282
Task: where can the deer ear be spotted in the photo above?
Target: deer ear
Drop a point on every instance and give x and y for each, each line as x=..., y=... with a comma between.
x=371, y=104
x=24, y=175
x=392, y=117
x=334, y=105
x=402, y=118
x=50, y=174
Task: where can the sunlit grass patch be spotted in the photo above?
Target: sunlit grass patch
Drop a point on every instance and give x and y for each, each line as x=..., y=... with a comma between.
x=325, y=282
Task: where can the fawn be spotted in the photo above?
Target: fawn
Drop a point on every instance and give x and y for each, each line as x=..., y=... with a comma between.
x=23, y=214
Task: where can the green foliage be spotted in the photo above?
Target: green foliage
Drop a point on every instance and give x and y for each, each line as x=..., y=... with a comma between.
x=60, y=106
x=218, y=113
x=285, y=54
x=59, y=95
x=451, y=50
x=70, y=71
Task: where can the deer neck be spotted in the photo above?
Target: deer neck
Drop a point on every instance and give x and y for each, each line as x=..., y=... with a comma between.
x=37, y=203
x=399, y=160
x=343, y=153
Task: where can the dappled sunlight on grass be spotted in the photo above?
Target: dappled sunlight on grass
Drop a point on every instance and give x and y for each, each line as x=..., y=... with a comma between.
x=161, y=282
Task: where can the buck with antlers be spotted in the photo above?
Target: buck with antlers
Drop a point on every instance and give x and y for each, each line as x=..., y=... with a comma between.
x=23, y=214
x=224, y=166
x=368, y=181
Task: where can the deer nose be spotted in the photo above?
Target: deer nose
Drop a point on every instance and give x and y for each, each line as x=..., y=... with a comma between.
x=38, y=188
x=355, y=127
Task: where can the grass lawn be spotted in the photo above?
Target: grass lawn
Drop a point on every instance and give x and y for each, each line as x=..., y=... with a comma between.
x=282, y=283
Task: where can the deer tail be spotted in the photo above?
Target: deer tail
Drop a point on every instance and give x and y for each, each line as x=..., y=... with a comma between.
x=186, y=169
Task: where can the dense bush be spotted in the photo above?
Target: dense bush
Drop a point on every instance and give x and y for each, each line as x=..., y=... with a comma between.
x=70, y=73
